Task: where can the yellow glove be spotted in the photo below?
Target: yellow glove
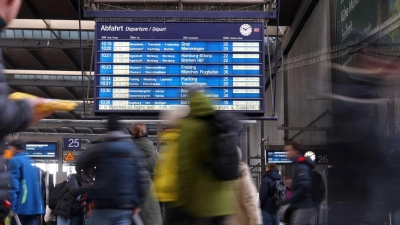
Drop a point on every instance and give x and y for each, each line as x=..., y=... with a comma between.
x=50, y=105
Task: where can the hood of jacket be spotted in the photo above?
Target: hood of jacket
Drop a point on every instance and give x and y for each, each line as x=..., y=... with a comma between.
x=305, y=160
x=274, y=175
x=146, y=145
x=200, y=105
x=170, y=135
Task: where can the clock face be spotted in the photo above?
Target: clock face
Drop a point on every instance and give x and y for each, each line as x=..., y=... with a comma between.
x=311, y=155
x=246, y=29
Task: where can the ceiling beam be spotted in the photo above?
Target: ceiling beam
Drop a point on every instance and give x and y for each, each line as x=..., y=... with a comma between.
x=71, y=92
x=38, y=59
x=45, y=92
x=75, y=5
x=9, y=62
x=16, y=43
x=31, y=8
x=45, y=83
x=70, y=58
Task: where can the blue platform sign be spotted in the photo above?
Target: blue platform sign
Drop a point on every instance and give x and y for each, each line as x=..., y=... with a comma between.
x=41, y=150
x=72, y=144
x=148, y=67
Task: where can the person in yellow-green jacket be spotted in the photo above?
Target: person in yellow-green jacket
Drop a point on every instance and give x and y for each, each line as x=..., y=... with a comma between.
x=166, y=172
x=204, y=198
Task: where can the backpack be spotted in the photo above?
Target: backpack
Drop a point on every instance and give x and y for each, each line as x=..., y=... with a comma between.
x=279, y=193
x=318, y=187
x=225, y=159
x=58, y=191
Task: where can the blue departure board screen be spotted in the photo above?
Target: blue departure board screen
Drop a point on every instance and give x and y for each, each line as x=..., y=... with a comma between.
x=41, y=150
x=278, y=157
x=148, y=67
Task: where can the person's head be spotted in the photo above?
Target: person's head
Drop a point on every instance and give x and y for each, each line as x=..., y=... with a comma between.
x=293, y=150
x=139, y=130
x=113, y=123
x=173, y=118
x=16, y=146
x=271, y=167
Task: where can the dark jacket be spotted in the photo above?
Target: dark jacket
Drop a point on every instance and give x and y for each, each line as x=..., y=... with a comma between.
x=150, y=154
x=267, y=190
x=121, y=182
x=68, y=206
x=301, y=183
x=14, y=116
x=25, y=191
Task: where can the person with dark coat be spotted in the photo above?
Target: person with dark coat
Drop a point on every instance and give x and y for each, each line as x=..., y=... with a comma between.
x=69, y=208
x=267, y=191
x=14, y=115
x=302, y=207
x=121, y=180
x=151, y=210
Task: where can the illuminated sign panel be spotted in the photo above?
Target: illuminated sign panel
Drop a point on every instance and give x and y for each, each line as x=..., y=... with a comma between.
x=148, y=67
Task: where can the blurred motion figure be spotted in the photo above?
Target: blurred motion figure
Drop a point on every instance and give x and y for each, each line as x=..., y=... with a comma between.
x=26, y=197
x=120, y=179
x=151, y=211
x=14, y=116
x=302, y=206
x=267, y=191
x=247, y=210
x=166, y=172
x=206, y=199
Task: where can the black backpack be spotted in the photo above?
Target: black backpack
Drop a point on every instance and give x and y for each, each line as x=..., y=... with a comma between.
x=225, y=130
x=279, y=193
x=318, y=187
x=58, y=191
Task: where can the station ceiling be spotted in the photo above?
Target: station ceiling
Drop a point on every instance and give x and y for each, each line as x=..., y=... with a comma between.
x=46, y=62
x=68, y=10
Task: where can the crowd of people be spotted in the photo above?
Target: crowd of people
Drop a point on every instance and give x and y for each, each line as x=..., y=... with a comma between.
x=119, y=176
x=123, y=175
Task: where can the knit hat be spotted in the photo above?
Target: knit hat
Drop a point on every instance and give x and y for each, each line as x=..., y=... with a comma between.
x=173, y=117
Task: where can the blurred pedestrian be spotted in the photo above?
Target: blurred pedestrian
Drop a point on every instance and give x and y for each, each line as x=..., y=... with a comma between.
x=69, y=209
x=302, y=206
x=288, y=183
x=166, y=172
x=120, y=183
x=205, y=198
x=247, y=210
x=26, y=197
x=151, y=211
x=267, y=192
x=14, y=115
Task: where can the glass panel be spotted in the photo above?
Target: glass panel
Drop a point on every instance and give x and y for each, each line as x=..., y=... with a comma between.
x=18, y=34
x=28, y=34
x=9, y=33
x=37, y=34
x=74, y=35
x=46, y=34
x=91, y=35
x=65, y=35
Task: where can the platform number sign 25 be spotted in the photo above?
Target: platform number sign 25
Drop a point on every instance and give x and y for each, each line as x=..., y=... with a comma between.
x=72, y=144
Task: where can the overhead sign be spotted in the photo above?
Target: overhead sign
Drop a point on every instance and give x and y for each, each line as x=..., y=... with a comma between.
x=72, y=144
x=41, y=150
x=147, y=67
x=69, y=157
x=280, y=157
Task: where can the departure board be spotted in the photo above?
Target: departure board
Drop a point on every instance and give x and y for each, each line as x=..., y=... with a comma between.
x=148, y=67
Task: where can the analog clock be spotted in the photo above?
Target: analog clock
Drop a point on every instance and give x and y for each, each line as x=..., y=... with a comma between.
x=311, y=155
x=246, y=29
